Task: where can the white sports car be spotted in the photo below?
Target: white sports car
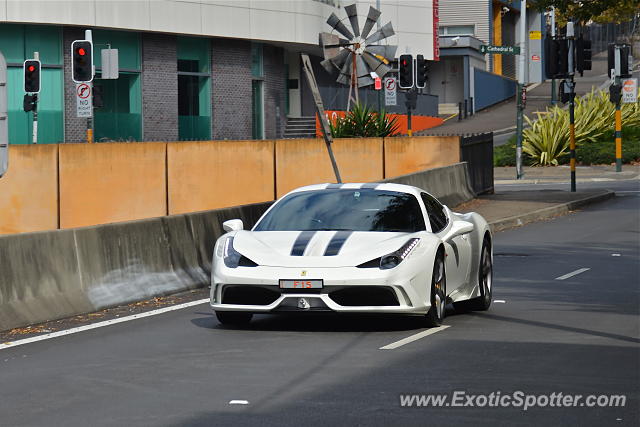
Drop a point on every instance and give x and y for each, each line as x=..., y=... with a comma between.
x=358, y=248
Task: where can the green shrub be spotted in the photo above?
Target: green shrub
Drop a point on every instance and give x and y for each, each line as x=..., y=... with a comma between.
x=505, y=155
x=362, y=121
x=546, y=141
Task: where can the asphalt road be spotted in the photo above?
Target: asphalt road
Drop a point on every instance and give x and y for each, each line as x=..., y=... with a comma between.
x=576, y=336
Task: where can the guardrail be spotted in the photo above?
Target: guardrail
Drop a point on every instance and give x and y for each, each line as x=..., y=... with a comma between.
x=477, y=151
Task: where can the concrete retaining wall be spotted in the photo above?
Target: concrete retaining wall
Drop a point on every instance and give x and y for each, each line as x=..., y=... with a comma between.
x=56, y=274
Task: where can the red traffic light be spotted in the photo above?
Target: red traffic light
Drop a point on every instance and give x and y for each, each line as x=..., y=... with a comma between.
x=31, y=68
x=81, y=51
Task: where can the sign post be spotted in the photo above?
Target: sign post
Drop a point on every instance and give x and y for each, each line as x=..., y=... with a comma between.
x=390, y=91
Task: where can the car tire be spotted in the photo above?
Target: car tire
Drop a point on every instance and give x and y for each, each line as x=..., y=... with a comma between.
x=234, y=318
x=435, y=315
x=485, y=282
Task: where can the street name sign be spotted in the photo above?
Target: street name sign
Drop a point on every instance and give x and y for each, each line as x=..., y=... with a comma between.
x=500, y=50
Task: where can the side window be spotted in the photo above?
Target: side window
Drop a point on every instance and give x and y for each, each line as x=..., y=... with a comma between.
x=437, y=216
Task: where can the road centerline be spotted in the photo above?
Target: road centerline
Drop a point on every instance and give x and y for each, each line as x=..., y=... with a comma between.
x=414, y=337
x=573, y=273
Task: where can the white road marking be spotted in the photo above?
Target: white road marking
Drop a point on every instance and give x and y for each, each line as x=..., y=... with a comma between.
x=413, y=338
x=238, y=402
x=573, y=273
x=57, y=334
x=616, y=255
x=500, y=301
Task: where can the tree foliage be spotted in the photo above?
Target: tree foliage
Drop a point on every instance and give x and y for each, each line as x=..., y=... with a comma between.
x=601, y=11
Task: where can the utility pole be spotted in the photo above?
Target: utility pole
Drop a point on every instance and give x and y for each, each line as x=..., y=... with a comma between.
x=88, y=35
x=554, y=96
x=521, y=87
x=572, y=95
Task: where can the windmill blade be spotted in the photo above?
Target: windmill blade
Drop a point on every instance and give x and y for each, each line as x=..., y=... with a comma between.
x=345, y=72
x=363, y=72
x=328, y=44
x=376, y=65
x=335, y=23
x=372, y=18
x=330, y=67
x=381, y=34
x=352, y=13
x=339, y=59
x=387, y=51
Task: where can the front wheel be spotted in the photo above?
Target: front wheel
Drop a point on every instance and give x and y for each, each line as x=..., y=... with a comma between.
x=435, y=316
x=233, y=318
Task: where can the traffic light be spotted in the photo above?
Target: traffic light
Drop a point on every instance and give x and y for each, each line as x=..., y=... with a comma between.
x=31, y=72
x=29, y=103
x=625, y=52
x=405, y=65
x=557, y=58
x=615, y=93
x=82, y=61
x=583, y=55
x=97, y=96
x=421, y=71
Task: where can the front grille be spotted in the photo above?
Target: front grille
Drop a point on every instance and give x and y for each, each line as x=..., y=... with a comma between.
x=365, y=295
x=248, y=295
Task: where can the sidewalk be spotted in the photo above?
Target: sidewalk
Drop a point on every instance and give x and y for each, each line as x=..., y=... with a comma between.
x=510, y=209
x=502, y=117
x=537, y=175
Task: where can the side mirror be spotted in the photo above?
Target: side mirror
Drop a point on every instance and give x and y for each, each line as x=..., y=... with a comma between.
x=233, y=225
x=458, y=228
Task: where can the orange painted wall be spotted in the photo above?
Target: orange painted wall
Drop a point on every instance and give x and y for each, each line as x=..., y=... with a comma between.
x=306, y=161
x=29, y=189
x=215, y=174
x=411, y=154
x=103, y=183
x=418, y=123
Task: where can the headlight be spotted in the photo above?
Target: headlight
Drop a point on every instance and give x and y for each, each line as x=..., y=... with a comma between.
x=231, y=257
x=393, y=259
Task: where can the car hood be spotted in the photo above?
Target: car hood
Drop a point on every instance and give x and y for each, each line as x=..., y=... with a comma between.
x=274, y=248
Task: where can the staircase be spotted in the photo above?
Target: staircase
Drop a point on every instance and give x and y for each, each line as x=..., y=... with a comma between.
x=300, y=127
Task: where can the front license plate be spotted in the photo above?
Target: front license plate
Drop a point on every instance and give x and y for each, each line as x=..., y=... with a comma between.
x=301, y=284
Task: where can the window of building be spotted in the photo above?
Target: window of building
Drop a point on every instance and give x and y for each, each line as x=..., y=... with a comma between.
x=194, y=88
x=17, y=43
x=457, y=30
x=120, y=117
x=257, y=91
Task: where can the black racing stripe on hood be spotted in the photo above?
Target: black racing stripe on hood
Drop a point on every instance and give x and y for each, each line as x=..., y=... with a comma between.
x=372, y=185
x=301, y=243
x=333, y=186
x=336, y=243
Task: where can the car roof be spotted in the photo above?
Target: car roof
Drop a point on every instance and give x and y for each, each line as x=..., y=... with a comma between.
x=388, y=186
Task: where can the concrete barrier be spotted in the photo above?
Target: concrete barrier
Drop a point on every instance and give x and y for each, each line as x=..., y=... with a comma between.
x=56, y=274
x=450, y=184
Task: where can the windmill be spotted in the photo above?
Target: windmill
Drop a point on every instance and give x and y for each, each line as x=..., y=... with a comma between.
x=353, y=60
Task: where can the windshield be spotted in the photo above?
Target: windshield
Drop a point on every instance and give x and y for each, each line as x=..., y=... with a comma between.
x=353, y=210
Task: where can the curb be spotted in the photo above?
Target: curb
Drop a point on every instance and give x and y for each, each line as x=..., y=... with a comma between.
x=546, y=213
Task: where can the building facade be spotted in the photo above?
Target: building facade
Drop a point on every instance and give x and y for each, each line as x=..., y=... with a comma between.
x=197, y=70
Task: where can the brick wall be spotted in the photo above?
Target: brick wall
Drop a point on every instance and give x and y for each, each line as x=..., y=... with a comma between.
x=159, y=87
x=231, y=89
x=75, y=128
x=274, y=87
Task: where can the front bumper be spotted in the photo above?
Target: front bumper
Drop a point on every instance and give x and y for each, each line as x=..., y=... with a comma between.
x=346, y=289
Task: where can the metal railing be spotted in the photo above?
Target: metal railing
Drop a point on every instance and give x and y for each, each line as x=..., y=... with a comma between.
x=477, y=151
